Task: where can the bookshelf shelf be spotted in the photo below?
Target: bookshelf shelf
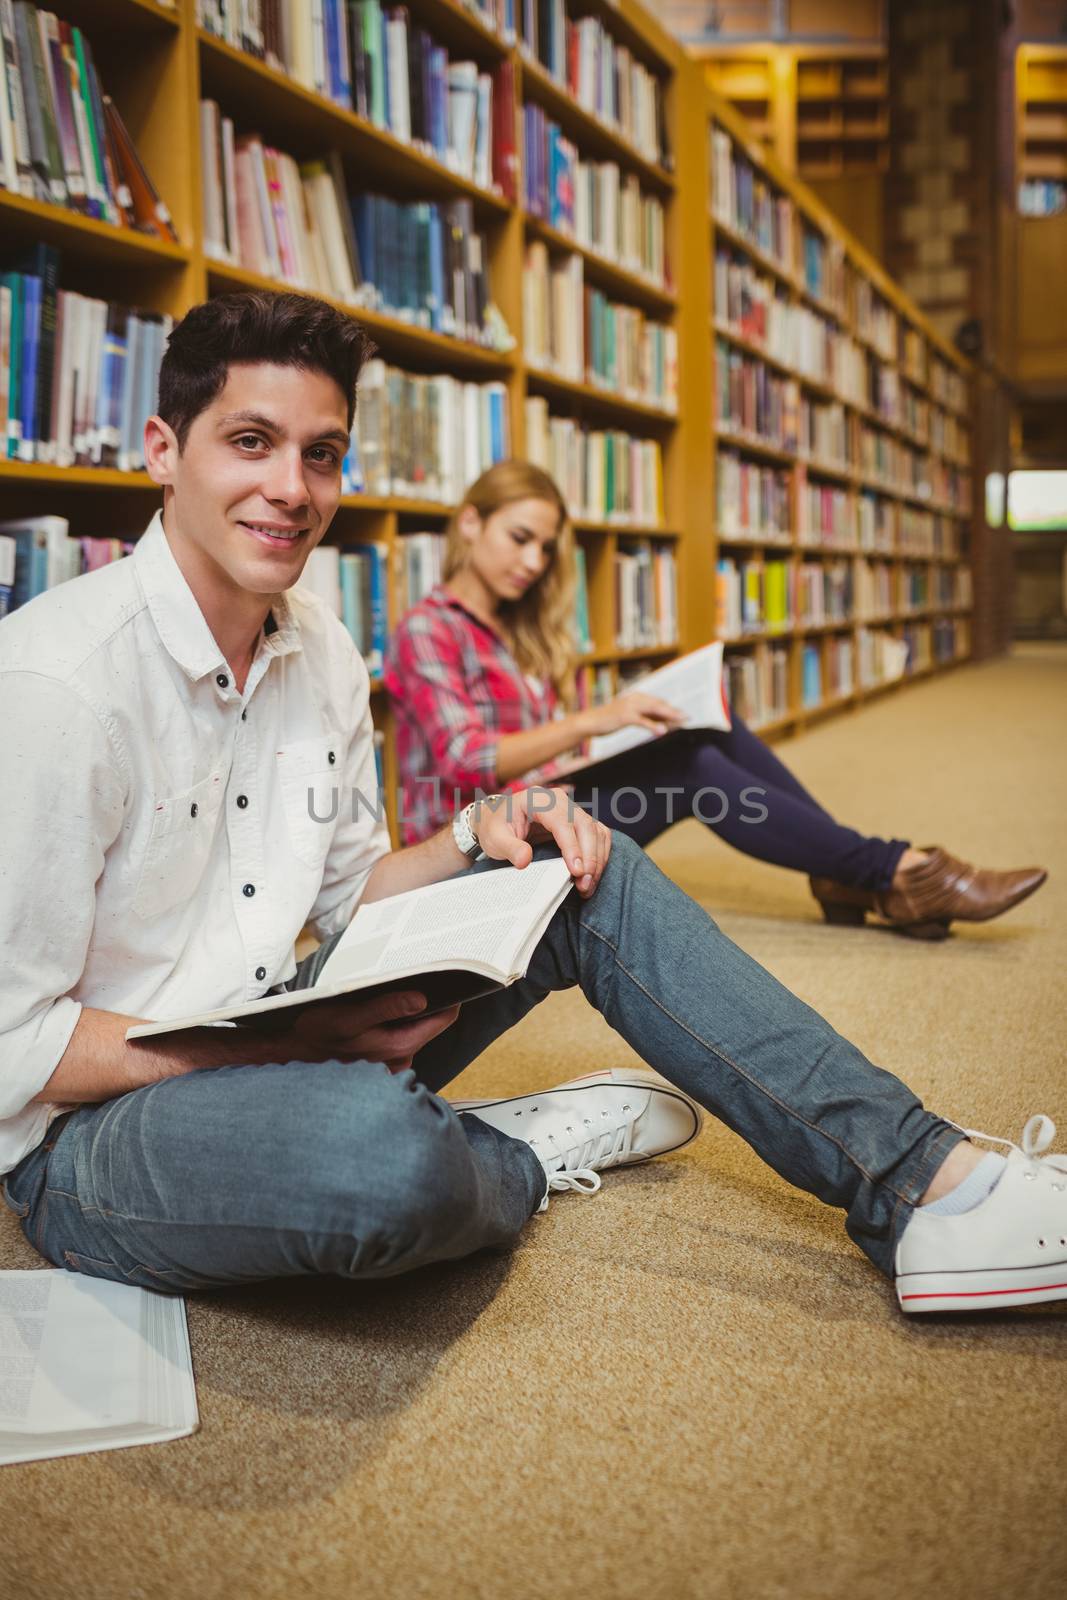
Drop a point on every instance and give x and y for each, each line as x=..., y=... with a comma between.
x=594, y=137
x=41, y=473
x=630, y=286
x=143, y=15
x=631, y=530
x=306, y=124
x=69, y=230
x=392, y=335
x=595, y=400
x=462, y=30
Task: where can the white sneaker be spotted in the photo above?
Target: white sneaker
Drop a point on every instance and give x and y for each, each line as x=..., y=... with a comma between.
x=1010, y=1250
x=607, y=1119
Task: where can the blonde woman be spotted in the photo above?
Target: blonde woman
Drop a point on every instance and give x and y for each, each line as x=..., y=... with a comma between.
x=480, y=674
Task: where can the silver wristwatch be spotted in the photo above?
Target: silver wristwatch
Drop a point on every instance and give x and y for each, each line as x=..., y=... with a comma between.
x=462, y=829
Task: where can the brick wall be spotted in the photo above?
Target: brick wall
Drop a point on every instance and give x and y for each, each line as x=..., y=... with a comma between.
x=943, y=225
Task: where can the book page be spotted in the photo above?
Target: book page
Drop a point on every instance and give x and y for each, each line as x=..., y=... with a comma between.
x=692, y=684
x=88, y=1364
x=482, y=917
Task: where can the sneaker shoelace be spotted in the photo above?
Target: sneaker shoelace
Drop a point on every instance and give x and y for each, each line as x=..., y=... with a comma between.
x=581, y=1154
x=1037, y=1136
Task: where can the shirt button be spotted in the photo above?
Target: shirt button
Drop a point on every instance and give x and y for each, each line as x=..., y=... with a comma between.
x=261, y=973
x=331, y=758
x=222, y=680
x=249, y=889
x=193, y=809
x=242, y=800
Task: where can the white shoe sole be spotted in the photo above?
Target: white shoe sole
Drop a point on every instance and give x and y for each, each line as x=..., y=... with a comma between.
x=631, y=1078
x=982, y=1291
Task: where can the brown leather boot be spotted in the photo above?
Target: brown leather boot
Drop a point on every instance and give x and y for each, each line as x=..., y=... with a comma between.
x=931, y=896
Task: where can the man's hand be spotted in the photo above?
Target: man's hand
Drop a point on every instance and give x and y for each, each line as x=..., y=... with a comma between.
x=387, y=1028
x=509, y=825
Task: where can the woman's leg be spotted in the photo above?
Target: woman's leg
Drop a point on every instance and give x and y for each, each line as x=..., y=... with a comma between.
x=646, y=791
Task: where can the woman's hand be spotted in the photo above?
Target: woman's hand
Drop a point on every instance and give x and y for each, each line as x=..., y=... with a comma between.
x=633, y=710
x=505, y=827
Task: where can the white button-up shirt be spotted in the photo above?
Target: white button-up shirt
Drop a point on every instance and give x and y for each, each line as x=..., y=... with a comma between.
x=165, y=838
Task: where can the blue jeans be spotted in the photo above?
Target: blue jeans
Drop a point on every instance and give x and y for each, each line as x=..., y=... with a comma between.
x=249, y=1172
x=736, y=785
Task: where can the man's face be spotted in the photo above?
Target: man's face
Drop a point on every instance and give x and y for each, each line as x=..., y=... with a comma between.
x=258, y=482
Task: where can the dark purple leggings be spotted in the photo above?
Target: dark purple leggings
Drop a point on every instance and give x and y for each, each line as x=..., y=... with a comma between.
x=734, y=784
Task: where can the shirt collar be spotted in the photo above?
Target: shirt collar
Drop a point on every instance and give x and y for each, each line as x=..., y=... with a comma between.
x=179, y=621
x=440, y=596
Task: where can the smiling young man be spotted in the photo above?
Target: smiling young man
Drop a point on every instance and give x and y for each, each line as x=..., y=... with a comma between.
x=163, y=721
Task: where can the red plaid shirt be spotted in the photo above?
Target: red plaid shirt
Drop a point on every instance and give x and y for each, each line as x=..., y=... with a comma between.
x=455, y=688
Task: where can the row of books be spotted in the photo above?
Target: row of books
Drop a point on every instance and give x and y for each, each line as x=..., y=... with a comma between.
x=742, y=199
x=752, y=596
x=837, y=664
x=373, y=60
x=758, y=596
x=821, y=592
x=1042, y=197
x=927, y=533
x=750, y=304
x=907, y=470
x=353, y=580
x=423, y=262
x=36, y=553
x=575, y=331
x=62, y=139
x=946, y=639
x=78, y=376
x=604, y=77
x=757, y=683
x=593, y=202
x=823, y=269
x=604, y=476
x=826, y=515
x=595, y=685
x=874, y=319
x=752, y=501
x=646, y=596
x=423, y=437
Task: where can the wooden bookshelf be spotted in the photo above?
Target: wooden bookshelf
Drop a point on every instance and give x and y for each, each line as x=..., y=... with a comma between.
x=1040, y=224
x=159, y=64
x=875, y=335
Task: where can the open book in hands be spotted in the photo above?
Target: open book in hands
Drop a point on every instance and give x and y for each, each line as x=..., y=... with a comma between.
x=692, y=684
x=451, y=941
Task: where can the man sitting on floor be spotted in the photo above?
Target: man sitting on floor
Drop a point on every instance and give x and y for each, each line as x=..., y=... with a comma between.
x=162, y=721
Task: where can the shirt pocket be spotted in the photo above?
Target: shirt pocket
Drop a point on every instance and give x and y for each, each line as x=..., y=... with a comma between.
x=183, y=832
x=309, y=772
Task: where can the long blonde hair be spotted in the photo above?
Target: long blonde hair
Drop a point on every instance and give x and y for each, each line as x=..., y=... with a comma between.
x=540, y=625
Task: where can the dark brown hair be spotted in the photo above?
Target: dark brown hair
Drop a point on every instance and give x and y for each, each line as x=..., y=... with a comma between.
x=289, y=330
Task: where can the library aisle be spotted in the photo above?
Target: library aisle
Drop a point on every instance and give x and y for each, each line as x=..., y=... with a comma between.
x=692, y=1384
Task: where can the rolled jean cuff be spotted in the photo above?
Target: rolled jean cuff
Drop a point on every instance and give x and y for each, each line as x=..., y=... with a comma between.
x=912, y=1182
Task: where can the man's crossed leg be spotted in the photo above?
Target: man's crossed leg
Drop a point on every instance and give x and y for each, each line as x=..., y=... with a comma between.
x=250, y=1172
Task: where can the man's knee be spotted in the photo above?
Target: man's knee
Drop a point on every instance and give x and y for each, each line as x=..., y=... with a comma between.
x=394, y=1170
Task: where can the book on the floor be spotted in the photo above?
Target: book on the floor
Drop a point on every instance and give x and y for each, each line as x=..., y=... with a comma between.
x=450, y=941
x=86, y=1364
x=693, y=683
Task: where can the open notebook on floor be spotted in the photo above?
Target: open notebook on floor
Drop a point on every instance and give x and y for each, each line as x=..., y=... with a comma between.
x=451, y=941
x=86, y=1364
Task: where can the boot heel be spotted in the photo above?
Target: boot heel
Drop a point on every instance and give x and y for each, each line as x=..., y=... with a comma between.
x=922, y=930
x=843, y=916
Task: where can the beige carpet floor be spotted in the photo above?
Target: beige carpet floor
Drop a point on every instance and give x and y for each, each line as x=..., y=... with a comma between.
x=691, y=1385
